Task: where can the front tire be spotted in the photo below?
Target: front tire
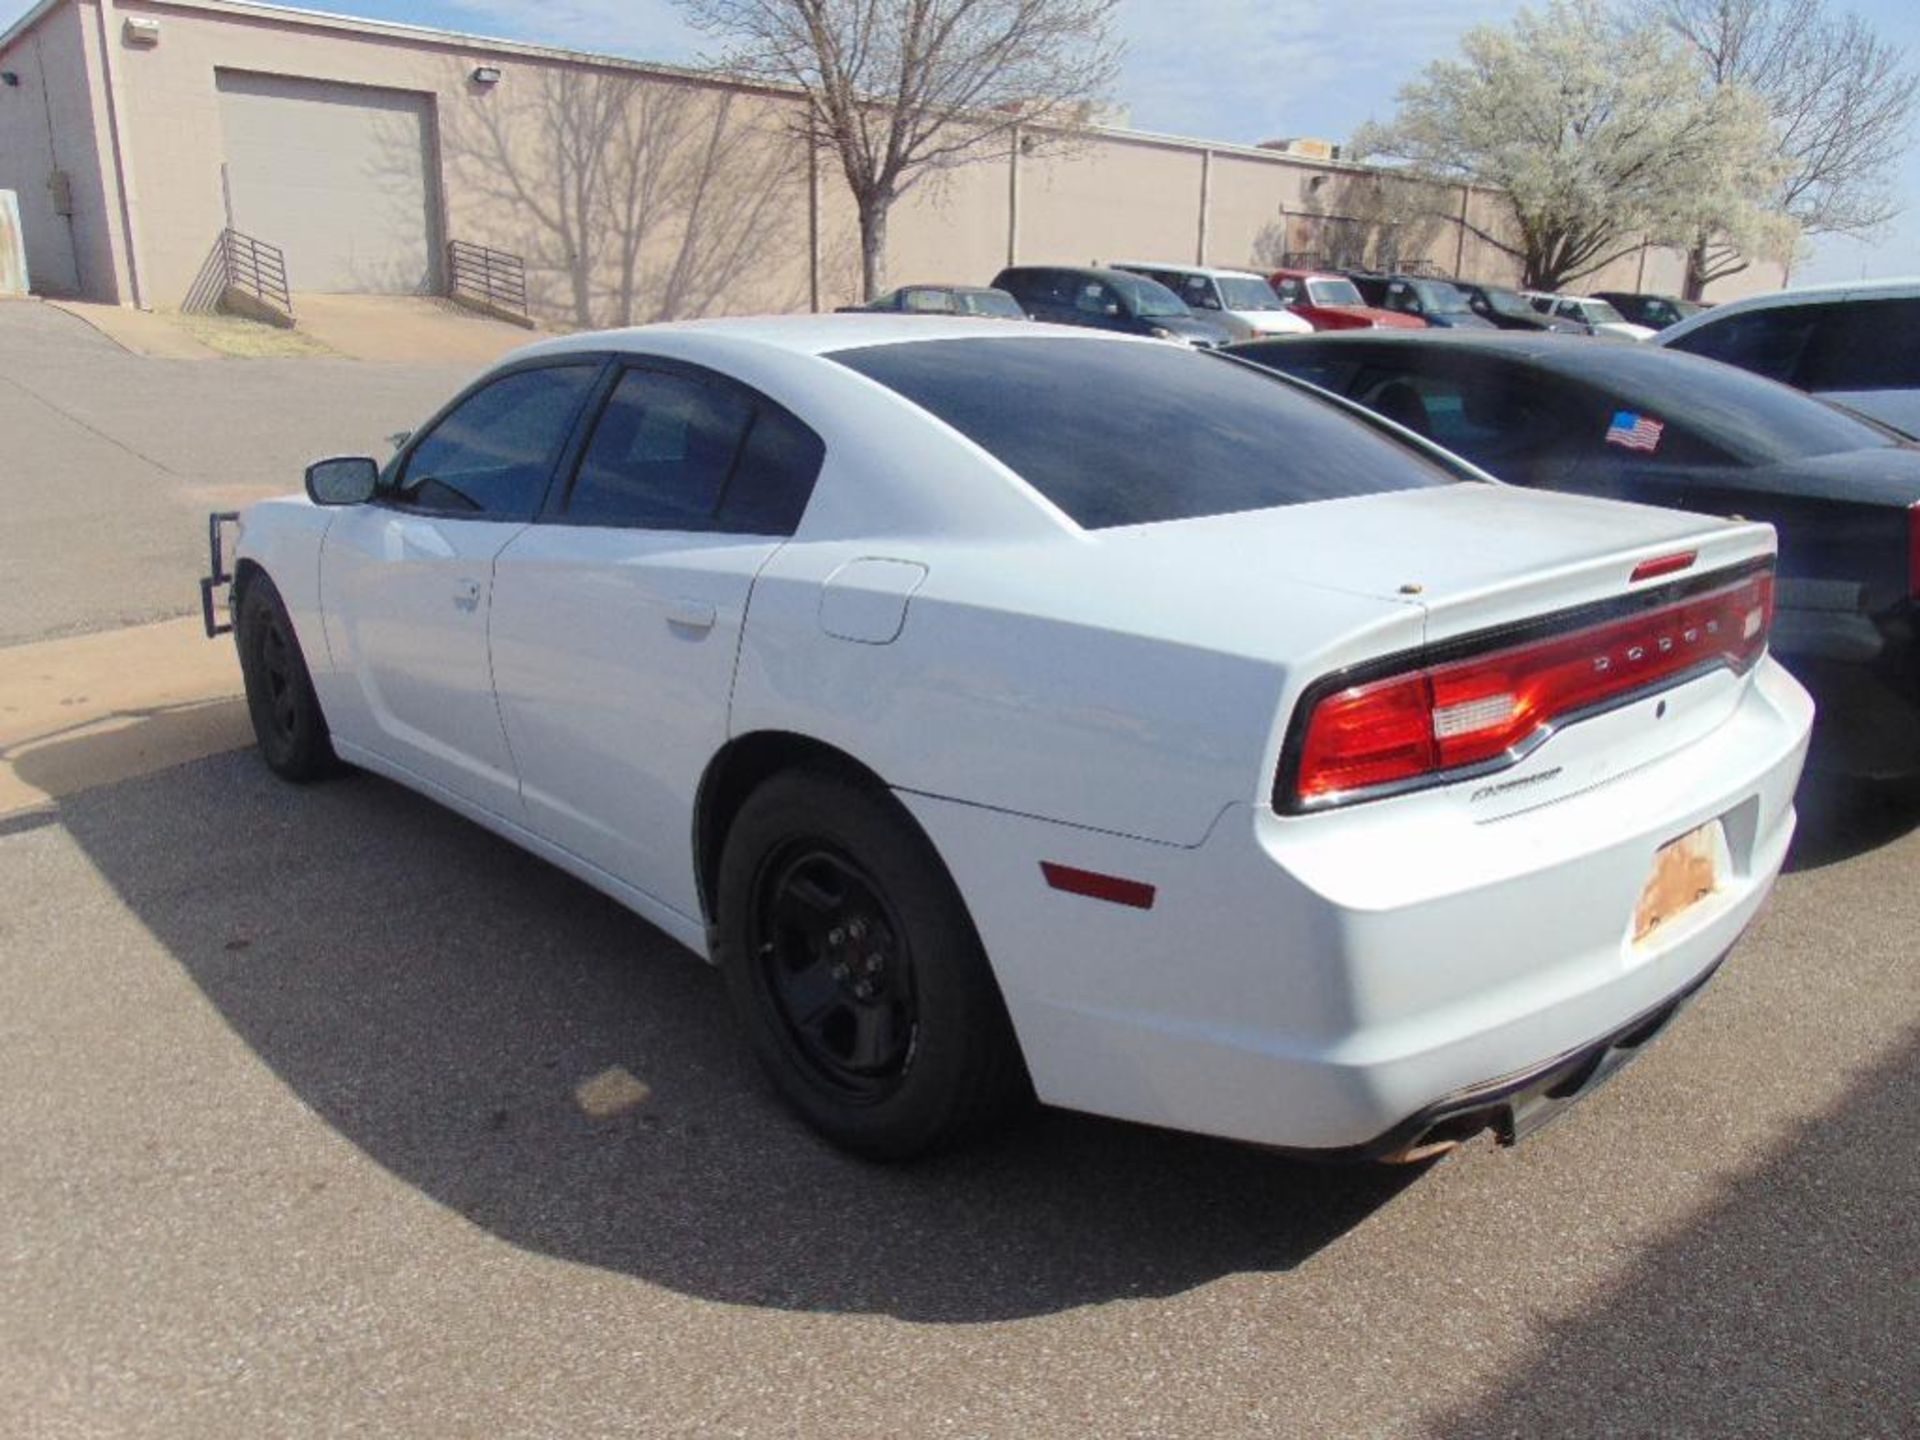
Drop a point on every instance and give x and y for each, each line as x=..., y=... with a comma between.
x=287, y=723
x=856, y=973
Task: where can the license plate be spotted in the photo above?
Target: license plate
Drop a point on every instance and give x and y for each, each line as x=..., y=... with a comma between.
x=1685, y=872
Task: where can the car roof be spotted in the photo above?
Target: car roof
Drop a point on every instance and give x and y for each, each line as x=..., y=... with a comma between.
x=1213, y=272
x=814, y=334
x=1906, y=288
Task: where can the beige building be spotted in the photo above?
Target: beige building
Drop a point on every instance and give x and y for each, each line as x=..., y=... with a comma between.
x=138, y=133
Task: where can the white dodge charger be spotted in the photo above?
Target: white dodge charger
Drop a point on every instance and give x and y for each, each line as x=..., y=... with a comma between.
x=1010, y=710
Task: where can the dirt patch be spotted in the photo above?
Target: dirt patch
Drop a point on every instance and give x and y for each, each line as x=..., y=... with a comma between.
x=251, y=340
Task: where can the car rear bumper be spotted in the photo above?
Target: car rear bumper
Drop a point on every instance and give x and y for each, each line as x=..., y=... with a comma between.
x=1324, y=986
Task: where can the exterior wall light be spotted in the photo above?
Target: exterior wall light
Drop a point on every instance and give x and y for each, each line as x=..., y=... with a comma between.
x=486, y=75
x=141, y=32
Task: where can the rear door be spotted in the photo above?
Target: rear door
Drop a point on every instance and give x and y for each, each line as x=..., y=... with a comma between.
x=407, y=581
x=617, y=617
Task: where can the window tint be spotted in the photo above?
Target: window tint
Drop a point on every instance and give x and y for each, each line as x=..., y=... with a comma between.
x=1288, y=290
x=1106, y=431
x=660, y=454
x=671, y=452
x=774, y=479
x=1767, y=342
x=1864, y=345
x=490, y=457
x=928, y=302
x=1488, y=413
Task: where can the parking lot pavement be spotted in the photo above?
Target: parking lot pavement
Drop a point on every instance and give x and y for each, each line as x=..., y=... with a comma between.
x=110, y=461
x=324, y=1112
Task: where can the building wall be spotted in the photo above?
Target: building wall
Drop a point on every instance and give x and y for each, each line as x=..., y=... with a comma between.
x=67, y=255
x=637, y=195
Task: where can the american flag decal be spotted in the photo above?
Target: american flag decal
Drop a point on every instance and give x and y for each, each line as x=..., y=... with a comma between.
x=1635, y=432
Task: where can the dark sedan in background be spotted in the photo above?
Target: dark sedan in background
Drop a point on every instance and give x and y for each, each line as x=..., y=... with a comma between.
x=1639, y=423
x=1506, y=309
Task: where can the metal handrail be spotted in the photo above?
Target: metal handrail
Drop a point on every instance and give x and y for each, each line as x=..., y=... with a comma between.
x=257, y=269
x=494, y=278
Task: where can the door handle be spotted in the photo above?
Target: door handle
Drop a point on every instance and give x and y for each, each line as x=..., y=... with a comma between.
x=686, y=614
x=466, y=594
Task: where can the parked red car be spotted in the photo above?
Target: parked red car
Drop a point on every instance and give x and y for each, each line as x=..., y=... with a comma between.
x=1333, y=302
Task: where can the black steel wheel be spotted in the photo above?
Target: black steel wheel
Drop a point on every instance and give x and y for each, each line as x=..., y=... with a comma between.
x=856, y=973
x=834, y=962
x=287, y=723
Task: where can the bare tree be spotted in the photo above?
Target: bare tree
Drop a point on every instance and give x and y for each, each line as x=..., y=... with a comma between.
x=1597, y=134
x=1840, y=100
x=640, y=198
x=896, y=89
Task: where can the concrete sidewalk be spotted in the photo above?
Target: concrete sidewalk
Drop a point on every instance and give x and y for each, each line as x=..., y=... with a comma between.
x=102, y=708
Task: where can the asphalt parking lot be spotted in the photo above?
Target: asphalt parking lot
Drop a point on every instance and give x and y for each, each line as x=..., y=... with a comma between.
x=323, y=1112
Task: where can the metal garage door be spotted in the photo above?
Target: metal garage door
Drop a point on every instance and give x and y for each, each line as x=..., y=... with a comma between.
x=335, y=175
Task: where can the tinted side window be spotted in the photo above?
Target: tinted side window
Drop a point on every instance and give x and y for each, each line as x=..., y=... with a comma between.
x=660, y=455
x=1288, y=291
x=1105, y=431
x=1767, y=342
x=774, y=479
x=671, y=452
x=490, y=457
x=927, y=302
x=1864, y=345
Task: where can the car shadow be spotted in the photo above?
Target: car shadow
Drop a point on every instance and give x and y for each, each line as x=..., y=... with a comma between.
x=1841, y=817
x=1788, y=1306
x=532, y=1056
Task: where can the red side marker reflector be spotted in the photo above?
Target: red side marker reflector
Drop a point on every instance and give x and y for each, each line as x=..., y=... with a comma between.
x=1096, y=886
x=1664, y=565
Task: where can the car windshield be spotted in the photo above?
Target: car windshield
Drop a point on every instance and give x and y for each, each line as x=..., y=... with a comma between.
x=1106, y=430
x=1333, y=292
x=996, y=303
x=1440, y=298
x=1599, y=312
x=1509, y=302
x=1148, y=299
x=1247, y=292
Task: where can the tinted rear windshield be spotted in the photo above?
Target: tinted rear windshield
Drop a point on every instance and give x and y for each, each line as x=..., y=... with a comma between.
x=1116, y=433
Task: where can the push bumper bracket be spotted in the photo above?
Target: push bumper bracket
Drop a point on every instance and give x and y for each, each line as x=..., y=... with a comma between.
x=217, y=561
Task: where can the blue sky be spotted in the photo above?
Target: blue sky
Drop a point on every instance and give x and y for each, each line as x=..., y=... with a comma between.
x=1239, y=70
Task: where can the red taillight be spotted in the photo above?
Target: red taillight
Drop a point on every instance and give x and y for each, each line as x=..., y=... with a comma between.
x=1663, y=565
x=1426, y=723
x=1913, y=550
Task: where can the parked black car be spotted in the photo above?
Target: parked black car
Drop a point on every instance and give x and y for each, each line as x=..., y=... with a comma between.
x=1107, y=300
x=1441, y=303
x=1656, y=312
x=1506, y=309
x=944, y=300
x=1635, y=422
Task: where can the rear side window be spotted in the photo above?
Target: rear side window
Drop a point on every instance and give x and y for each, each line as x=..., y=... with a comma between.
x=490, y=456
x=1127, y=434
x=673, y=452
x=1767, y=342
x=1864, y=345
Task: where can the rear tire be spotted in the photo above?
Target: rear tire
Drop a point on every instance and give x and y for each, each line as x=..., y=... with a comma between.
x=287, y=723
x=856, y=973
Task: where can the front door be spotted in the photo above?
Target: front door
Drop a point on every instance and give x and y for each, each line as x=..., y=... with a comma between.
x=407, y=581
x=617, y=618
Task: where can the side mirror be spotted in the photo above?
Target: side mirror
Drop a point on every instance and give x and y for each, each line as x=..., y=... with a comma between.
x=343, y=480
